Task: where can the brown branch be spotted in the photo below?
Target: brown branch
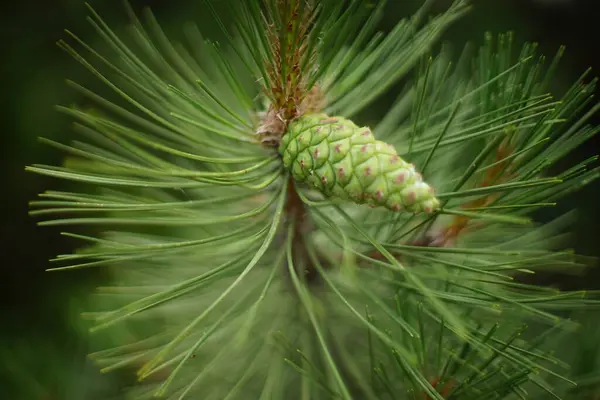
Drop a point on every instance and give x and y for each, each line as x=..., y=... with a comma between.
x=499, y=173
x=443, y=390
x=295, y=210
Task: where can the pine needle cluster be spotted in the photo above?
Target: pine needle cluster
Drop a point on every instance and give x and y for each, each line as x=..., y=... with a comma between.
x=232, y=279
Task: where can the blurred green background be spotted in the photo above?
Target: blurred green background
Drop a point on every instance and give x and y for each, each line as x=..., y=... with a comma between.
x=42, y=340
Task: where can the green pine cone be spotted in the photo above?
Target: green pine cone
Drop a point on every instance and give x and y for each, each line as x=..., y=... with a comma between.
x=344, y=160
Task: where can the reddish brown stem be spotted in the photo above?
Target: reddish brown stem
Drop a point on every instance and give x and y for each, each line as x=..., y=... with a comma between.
x=295, y=210
x=443, y=390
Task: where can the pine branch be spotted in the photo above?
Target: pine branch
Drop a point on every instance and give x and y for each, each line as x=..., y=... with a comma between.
x=230, y=192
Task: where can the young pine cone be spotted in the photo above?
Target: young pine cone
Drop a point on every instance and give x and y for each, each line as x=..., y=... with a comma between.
x=346, y=161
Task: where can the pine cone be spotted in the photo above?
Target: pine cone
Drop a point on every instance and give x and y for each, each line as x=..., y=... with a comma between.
x=346, y=161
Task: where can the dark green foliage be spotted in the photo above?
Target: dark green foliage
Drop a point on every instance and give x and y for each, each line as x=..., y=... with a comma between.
x=231, y=280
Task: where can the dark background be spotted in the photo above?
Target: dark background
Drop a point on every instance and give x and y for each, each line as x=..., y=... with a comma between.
x=41, y=339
